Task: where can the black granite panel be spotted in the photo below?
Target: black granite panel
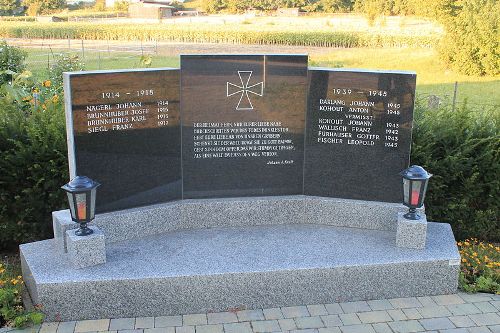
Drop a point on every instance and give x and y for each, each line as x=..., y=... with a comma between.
x=243, y=124
x=126, y=135
x=358, y=133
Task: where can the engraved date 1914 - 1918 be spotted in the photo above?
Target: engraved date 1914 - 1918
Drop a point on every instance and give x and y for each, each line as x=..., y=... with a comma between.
x=280, y=162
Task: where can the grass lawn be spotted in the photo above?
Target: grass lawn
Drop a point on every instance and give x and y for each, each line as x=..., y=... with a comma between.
x=432, y=76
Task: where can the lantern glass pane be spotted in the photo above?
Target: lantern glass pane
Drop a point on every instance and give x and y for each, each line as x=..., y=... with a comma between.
x=415, y=193
x=425, y=190
x=406, y=191
x=71, y=204
x=81, y=206
x=92, y=203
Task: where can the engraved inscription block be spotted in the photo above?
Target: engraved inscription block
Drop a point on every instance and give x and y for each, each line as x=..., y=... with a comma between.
x=123, y=130
x=243, y=124
x=358, y=133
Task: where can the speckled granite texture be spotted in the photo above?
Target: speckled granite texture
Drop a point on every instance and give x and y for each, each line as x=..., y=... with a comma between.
x=215, y=269
x=85, y=251
x=411, y=233
x=231, y=212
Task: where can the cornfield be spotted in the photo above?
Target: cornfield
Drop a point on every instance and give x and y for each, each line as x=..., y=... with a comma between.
x=269, y=35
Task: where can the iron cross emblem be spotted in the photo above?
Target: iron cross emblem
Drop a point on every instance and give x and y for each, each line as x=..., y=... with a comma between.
x=257, y=89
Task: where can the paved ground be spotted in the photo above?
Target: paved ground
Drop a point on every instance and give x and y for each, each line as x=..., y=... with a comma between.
x=456, y=313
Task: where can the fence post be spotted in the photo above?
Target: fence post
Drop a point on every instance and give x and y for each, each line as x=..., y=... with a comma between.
x=69, y=43
x=83, y=51
x=454, y=96
x=142, y=50
x=156, y=46
x=108, y=48
x=99, y=61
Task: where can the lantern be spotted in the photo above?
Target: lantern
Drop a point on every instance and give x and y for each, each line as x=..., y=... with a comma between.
x=415, y=180
x=81, y=193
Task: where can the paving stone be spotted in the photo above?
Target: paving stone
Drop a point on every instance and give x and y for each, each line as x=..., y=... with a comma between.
x=485, y=319
x=92, y=325
x=138, y=330
x=382, y=328
x=494, y=329
x=436, y=323
x=287, y=324
x=331, y=320
x=250, y=315
x=485, y=307
x=354, y=307
x=66, y=327
x=237, y=328
x=295, y=311
x=363, y=328
x=463, y=309
x=185, y=329
x=194, y=319
x=307, y=330
x=374, y=317
x=406, y=326
x=380, y=304
x=448, y=299
x=160, y=330
x=477, y=297
x=397, y=315
x=210, y=329
x=309, y=322
x=454, y=330
x=317, y=310
x=33, y=329
x=482, y=329
x=412, y=313
x=329, y=330
x=122, y=324
x=333, y=308
x=349, y=319
x=5, y=329
x=496, y=304
x=405, y=302
x=426, y=301
x=434, y=311
x=168, y=321
x=273, y=313
x=265, y=326
x=144, y=322
x=222, y=317
x=461, y=321
x=49, y=327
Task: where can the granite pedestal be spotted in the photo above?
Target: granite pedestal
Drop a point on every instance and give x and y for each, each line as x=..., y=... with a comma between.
x=202, y=266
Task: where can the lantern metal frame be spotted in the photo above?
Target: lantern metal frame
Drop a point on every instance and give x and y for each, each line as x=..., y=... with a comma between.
x=75, y=188
x=414, y=175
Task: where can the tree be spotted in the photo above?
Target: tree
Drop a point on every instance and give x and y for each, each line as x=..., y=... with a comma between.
x=37, y=7
x=9, y=7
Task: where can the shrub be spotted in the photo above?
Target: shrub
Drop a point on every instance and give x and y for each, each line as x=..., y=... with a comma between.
x=11, y=60
x=37, y=7
x=64, y=63
x=471, y=44
x=33, y=161
x=462, y=150
x=480, y=266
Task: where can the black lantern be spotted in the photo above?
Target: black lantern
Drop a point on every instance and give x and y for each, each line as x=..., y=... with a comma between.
x=415, y=180
x=81, y=193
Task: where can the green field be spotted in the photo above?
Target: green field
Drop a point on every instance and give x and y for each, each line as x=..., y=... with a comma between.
x=432, y=77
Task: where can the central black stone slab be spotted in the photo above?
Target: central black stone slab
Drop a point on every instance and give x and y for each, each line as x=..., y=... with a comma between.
x=358, y=133
x=243, y=124
x=124, y=132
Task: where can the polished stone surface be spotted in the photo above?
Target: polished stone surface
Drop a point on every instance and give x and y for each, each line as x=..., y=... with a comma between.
x=243, y=124
x=222, y=268
x=123, y=131
x=358, y=133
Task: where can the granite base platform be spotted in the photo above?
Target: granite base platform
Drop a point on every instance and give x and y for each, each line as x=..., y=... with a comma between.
x=216, y=269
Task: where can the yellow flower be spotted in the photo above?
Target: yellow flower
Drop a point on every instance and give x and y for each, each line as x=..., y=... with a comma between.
x=474, y=254
x=464, y=260
x=55, y=99
x=14, y=281
x=44, y=106
x=47, y=83
x=466, y=243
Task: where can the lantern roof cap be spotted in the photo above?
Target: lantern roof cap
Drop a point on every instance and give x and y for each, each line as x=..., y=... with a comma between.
x=80, y=184
x=415, y=172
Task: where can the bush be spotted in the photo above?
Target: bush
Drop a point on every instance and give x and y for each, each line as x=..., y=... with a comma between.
x=471, y=44
x=11, y=60
x=33, y=159
x=462, y=150
x=64, y=63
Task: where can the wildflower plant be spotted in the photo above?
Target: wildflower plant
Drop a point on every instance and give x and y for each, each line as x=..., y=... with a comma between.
x=480, y=266
x=12, y=312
